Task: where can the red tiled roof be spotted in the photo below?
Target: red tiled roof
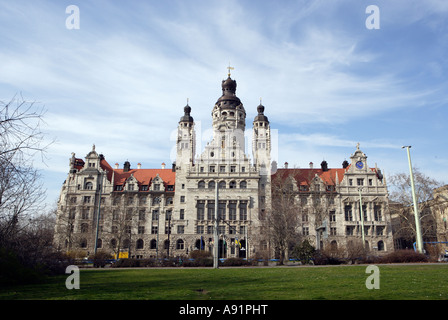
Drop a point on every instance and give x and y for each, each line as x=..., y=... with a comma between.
x=145, y=176
x=304, y=176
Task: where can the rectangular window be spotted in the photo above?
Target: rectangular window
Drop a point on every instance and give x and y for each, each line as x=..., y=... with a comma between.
x=306, y=231
x=199, y=229
x=332, y=216
x=222, y=210
x=332, y=231
x=348, y=213
x=154, y=230
x=155, y=215
x=200, y=209
x=180, y=229
x=377, y=213
x=211, y=210
x=243, y=210
x=360, y=182
x=182, y=214
x=141, y=215
x=232, y=210
x=222, y=169
x=349, y=230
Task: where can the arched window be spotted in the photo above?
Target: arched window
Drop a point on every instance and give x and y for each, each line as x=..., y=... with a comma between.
x=333, y=245
x=156, y=201
x=232, y=185
x=153, y=244
x=139, y=244
x=222, y=185
x=380, y=245
x=84, y=228
x=88, y=186
x=211, y=185
x=99, y=244
x=243, y=184
x=201, y=184
x=113, y=243
x=83, y=243
x=166, y=244
x=180, y=244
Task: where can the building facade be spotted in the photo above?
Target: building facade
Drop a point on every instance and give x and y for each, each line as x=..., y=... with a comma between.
x=146, y=213
x=340, y=208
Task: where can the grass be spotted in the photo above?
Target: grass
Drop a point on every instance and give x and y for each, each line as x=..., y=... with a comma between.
x=397, y=282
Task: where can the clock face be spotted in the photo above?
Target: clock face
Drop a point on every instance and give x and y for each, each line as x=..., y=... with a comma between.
x=359, y=165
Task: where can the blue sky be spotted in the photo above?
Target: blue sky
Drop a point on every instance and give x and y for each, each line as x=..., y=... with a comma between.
x=121, y=80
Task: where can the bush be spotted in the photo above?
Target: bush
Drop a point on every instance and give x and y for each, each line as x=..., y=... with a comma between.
x=403, y=256
x=99, y=259
x=235, y=262
x=200, y=254
x=325, y=258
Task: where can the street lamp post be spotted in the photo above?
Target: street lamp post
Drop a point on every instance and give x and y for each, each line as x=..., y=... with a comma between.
x=215, y=230
x=362, y=218
x=419, y=238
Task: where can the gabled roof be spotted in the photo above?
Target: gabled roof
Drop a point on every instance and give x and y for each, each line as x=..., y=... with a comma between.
x=305, y=176
x=143, y=176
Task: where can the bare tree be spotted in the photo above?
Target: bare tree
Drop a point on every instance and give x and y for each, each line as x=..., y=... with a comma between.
x=21, y=191
x=401, y=197
x=282, y=219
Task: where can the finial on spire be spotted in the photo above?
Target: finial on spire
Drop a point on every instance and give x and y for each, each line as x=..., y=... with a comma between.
x=229, y=68
x=188, y=100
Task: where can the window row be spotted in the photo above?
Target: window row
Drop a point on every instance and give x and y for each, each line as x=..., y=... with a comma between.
x=377, y=213
x=222, y=185
x=231, y=209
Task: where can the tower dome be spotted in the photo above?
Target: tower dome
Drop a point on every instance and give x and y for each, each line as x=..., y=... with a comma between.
x=186, y=117
x=261, y=116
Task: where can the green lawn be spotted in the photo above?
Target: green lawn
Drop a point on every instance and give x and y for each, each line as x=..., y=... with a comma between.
x=422, y=281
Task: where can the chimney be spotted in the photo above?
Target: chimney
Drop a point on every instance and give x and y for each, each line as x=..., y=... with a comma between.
x=286, y=165
x=345, y=164
x=324, y=165
x=139, y=165
x=173, y=168
x=163, y=165
x=311, y=165
x=116, y=166
x=127, y=166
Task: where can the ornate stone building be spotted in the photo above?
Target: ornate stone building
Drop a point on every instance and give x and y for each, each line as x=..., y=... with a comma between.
x=341, y=207
x=170, y=211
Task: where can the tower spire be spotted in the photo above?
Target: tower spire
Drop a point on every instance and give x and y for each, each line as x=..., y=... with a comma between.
x=229, y=68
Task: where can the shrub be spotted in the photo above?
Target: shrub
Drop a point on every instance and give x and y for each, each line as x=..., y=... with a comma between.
x=324, y=258
x=235, y=262
x=403, y=256
x=99, y=259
